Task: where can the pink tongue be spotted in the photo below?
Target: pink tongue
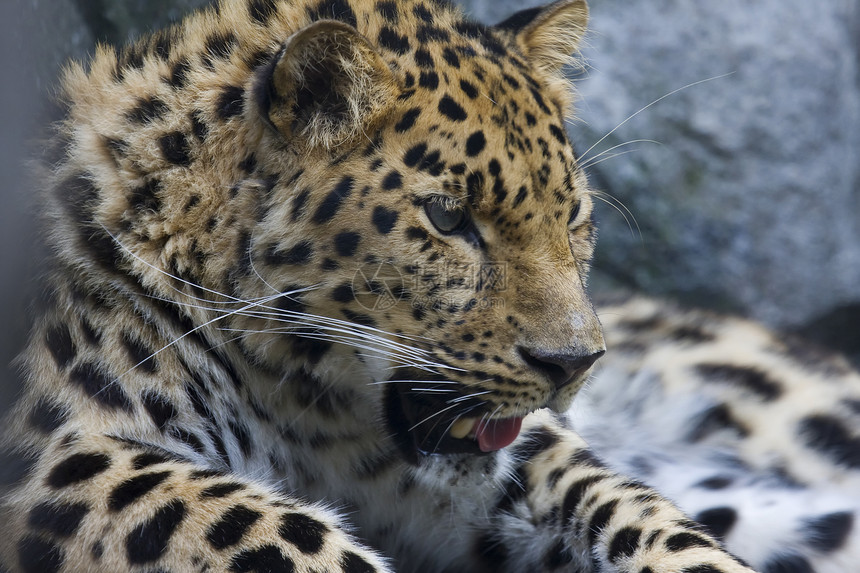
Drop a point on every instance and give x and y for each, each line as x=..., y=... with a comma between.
x=494, y=435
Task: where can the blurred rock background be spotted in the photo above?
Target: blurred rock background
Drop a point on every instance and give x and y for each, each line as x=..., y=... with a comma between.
x=745, y=189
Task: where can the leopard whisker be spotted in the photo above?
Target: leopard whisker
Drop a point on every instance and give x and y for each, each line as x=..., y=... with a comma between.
x=593, y=160
x=611, y=201
x=352, y=335
x=308, y=320
x=431, y=416
x=427, y=366
x=467, y=410
x=468, y=396
x=315, y=319
x=655, y=102
x=356, y=339
x=495, y=411
x=451, y=425
x=402, y=361
x=438, y=390
x=489, y=98
x=176, y=340
x=409, y=382
x=163, y=272
x=273, y=312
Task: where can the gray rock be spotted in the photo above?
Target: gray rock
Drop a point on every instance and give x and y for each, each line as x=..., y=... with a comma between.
x=751, y=199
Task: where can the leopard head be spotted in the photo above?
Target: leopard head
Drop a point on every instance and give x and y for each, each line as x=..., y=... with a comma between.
x=440, y=214
x=380, y=196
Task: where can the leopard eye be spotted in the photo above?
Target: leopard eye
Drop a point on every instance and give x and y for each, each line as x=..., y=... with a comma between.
x=447, y=216
x=574, y=213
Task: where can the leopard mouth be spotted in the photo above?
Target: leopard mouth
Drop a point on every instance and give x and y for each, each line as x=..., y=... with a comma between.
x=427, y=417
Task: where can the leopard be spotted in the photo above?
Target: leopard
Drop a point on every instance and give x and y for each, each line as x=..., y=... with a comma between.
x=754, y=433
x=316, y=300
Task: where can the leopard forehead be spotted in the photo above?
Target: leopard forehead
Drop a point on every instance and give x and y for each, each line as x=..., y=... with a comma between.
x=464, y=90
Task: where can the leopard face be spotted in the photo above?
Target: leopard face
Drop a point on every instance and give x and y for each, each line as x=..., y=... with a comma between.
x=395, y=213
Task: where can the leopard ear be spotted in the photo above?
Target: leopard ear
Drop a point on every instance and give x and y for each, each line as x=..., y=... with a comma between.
x=549, y=35
x=328, y=85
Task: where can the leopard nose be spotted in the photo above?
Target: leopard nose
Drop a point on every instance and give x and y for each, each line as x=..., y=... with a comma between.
x=562, y=368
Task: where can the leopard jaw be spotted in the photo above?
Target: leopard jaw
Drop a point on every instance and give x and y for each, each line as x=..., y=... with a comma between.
x=490, y=434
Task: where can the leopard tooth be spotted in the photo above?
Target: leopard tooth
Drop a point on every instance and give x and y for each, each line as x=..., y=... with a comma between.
x=462, y=427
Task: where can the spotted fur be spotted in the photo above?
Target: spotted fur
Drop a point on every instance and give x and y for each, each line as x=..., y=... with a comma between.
x=755, y=435
x=297, y=245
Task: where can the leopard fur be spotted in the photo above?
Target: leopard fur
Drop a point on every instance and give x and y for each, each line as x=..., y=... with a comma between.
x=298, y=245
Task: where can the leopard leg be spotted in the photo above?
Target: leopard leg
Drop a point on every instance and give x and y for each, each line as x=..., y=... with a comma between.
x=94, y=503
x=564, y=508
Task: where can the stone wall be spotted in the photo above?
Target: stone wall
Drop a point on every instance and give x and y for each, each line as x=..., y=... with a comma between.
x=749, y=199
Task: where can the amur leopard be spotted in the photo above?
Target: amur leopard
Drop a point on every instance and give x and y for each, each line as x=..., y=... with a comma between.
x=317, y=302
